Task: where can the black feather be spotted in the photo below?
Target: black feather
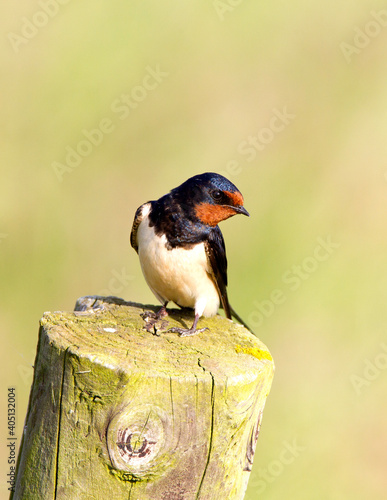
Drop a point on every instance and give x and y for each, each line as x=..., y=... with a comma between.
x=216, y=254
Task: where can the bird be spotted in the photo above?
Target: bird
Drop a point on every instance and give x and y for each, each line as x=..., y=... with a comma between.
x=182, y=250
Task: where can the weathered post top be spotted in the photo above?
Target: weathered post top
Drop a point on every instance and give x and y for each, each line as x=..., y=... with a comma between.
x=118, y=413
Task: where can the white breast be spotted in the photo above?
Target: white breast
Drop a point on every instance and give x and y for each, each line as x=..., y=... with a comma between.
x=179, y=275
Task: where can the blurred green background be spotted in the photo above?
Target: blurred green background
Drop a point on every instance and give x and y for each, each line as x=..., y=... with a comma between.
x=222, y=71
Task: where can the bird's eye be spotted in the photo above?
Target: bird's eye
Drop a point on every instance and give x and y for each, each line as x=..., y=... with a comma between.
x=217, y=195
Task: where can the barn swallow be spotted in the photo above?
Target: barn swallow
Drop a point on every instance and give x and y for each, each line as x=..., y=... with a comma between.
x=181, y=248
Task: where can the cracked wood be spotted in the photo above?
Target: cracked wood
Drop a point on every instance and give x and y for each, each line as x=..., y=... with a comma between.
x=116, y=412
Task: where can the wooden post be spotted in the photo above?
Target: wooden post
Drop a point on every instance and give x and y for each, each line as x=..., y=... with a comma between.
x=117, y=413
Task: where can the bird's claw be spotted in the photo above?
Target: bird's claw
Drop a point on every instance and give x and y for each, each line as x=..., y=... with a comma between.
x=187, y=332
x=153, y=322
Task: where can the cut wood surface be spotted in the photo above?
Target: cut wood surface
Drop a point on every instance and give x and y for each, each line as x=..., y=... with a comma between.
x=118, y=413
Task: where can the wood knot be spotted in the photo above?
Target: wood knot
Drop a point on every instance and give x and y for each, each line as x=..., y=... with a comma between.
x=133, y=444
x=136, y=439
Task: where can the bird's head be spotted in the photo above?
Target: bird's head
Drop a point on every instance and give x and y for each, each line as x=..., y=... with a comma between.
x=211, y=198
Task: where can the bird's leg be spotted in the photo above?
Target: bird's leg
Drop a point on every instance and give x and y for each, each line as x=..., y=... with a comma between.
x=162, y=311
x=152, y=318
x=185, y=332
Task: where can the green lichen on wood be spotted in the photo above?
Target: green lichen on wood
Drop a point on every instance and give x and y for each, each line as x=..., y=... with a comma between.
x=122, y=413
x=120, y=475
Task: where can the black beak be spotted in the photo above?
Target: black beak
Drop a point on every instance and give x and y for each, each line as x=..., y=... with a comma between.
x=241, y=210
